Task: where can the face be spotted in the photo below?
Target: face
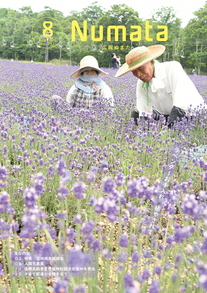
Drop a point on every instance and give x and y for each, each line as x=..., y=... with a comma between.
x=90, y=71
x=145, y=72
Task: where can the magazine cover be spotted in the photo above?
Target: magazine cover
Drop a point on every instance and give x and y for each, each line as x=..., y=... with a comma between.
x=103, y=152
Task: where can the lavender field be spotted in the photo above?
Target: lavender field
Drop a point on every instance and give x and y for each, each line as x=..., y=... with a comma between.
x=80, y=191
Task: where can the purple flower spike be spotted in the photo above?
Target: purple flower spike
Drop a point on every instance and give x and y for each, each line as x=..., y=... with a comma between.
x=71, y=235
x=1, y=270
x=146, y=274
x=61, y=286
x=4, y=202
x=78, y=259
x=155, y=287
x=108, y=185
x=87, y=227
x=38, y=183
x=79, y=189
x=135, y=256
x=147, y=253
x=123, y=240
x=130, y=285
x=80, y=289
x=30, y=197
x=61, y=167
x=203, y=281
x=3, y=177
x=157, y=270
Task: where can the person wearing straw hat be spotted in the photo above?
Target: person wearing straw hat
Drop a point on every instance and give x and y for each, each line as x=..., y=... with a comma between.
x=88, y=87
x=162, y=88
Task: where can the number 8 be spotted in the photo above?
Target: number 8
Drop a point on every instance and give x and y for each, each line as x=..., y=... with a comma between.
x=47, y=31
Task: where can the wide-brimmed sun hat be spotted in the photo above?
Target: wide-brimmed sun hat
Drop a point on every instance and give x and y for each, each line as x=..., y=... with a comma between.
x=139, y=56
x=86, y=63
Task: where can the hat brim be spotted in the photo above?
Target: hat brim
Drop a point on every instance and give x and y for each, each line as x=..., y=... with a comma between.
x=77, y=73
x=155, y=51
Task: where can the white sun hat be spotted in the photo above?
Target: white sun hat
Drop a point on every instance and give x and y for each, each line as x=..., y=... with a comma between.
x=86, y=63
x=139, y=56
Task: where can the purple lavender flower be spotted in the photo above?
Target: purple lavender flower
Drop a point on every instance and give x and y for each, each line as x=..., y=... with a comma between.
x=30, y=197
x=157, y=270
x=99, y=205
x=122, y=257
x=37, y=247
x=87, y=227
x=29, y=221
x=94, y=244
x=204, y=246
x=71, y=235
x=80, y=289
x=123, y=240
x=53, y=233
x=178, y=258
x=128, y=281
x=38, y=183
x=77, y=258
x=4, y=202
x=78, y=219
x=130, y=285
x=66, y=177
x=203, y=281
x=120, y=179
x=135, y=256
x=15, y=226
x=60, y=286
x=1, y=270
x=190, y=205
x=111, y=208
x=91, y=176
x=139, y=188
x=103, y=165
x=107, y=254
x=63, y=191
x=147, y=253
x=79, y=188
x=61, y=167
x=108, y=185
x=155, y=287
x=47, y=249
x=181, y=233
x=3, y=177
x=61, y=215
x=146, y=274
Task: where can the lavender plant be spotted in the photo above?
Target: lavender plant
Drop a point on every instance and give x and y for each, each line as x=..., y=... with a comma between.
x=77, y=187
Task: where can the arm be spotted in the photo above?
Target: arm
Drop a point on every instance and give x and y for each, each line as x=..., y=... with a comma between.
x=108, y=95
x=184, y=92
x=69, y=97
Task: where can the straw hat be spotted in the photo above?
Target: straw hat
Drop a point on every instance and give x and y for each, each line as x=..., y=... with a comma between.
x=86, y=63
x=139, y=56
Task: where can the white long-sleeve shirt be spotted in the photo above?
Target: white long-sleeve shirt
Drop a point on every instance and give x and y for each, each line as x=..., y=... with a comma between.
x=170, y=87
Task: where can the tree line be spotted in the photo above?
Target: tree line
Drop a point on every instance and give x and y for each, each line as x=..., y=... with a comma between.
x=49, y=35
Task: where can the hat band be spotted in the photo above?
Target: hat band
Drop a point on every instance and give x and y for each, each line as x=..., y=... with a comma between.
x=140, y=60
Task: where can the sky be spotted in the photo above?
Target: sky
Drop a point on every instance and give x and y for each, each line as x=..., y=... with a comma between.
x=145, y=8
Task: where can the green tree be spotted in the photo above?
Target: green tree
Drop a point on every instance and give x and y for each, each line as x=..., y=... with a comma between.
x=195, y=35
x=167, y=16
